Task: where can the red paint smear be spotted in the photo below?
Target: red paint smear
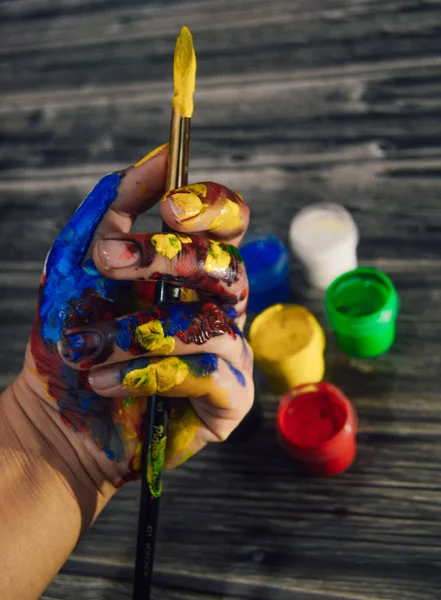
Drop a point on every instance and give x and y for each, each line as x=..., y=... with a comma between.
x=311, y=419
x=146, y=290
x=127, y=255
x=210, y=323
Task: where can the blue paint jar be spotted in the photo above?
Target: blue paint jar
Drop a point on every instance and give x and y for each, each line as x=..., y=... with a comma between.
x=267, y=263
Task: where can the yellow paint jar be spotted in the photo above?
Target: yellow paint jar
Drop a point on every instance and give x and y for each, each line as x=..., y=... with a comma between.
x=288, y=345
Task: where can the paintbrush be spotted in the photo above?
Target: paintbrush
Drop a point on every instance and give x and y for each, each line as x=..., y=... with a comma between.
x=155, y=424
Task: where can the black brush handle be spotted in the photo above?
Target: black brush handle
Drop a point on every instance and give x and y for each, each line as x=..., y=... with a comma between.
x=155, y=434
x=151, y=488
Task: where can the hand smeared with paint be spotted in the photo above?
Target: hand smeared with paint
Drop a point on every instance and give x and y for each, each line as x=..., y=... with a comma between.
x=98, y=347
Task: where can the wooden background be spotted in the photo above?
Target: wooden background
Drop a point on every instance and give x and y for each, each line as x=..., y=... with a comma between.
x=297, y=101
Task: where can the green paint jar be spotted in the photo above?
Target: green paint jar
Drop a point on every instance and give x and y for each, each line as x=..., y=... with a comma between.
x=362, y=307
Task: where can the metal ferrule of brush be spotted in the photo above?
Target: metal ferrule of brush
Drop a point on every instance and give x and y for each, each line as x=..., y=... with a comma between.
x=177, y=176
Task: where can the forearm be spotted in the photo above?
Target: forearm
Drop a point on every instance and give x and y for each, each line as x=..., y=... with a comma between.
x=47, y=497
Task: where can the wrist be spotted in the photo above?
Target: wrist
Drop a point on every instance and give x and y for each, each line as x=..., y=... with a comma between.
x=47, y=453
x=46, y=499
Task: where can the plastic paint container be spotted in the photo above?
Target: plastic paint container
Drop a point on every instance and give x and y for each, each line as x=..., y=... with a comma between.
x=267, y=263
x=288, y=345
x=362, y=307
x=324, y=238
x=317, y=426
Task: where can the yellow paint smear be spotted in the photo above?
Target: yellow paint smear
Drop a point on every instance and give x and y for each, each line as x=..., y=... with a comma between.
x=167, y=244
x=136, y=461
x=200, y=189
x=152, y=337
x=184, y=74
x=196, y=387
x=184, y=238
x=188, y=295
x=182, y=429
x=151, y=154
x=126, y=413
x=217, y=259
x=159, y=376
x=142, y=189
x=228, y=218
x=172, y=373
x=44, y=379
x=188, y=205
x=155, y=461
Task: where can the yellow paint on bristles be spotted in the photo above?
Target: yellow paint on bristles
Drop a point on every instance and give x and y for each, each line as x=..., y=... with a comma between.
x=184, y=74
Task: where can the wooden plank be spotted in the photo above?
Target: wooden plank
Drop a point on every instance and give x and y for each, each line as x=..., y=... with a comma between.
x=289, y=123
x=323, y=38
x=68, y=587
x=65, y=586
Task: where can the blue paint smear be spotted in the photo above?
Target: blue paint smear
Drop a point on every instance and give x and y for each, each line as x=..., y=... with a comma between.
x=77, y=346
x=85, y=409
x=126, y=329
x=230, y=311
x=66, y=277
x=238, y=374
x=178, y=320
x=202, y=365
x=73, y=288
x=237, y=331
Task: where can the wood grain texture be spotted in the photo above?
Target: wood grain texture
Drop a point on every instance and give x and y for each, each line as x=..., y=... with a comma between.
x=297, y=101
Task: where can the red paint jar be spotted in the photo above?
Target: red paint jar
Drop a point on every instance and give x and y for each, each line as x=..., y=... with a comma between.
x=318, y=426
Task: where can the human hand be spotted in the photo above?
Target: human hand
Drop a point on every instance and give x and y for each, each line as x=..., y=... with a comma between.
x=94, y=317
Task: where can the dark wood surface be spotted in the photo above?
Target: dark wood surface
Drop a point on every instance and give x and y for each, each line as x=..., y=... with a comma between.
x=298, y=101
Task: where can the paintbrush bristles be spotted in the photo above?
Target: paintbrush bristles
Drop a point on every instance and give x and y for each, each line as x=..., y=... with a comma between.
x=184, y=74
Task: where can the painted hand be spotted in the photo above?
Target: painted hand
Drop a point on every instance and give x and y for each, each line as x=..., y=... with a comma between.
x=99, y=348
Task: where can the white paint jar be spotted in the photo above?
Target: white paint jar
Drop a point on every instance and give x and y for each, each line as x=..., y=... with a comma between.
x=324, y=239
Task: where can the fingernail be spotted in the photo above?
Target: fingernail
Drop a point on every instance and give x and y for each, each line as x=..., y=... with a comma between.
x=118, y=253
x=151, y=154
x=79, y=346
x=185, y=204
x=104, y=379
